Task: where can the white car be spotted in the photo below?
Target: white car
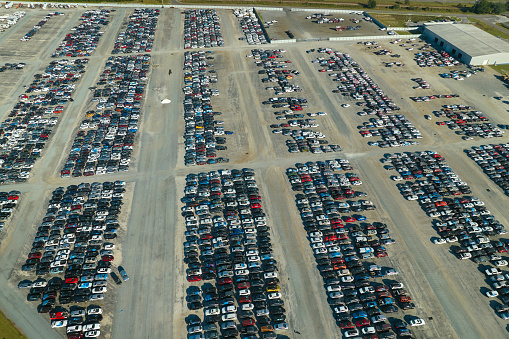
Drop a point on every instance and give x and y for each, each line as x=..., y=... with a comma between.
x=439, y=241
x=281, y=326
x=228, y=317
x=347, y=278
x=98, y=296
x=78, y=313
x=397, y=178
x=195, y=329
x=90, y=327
x=391, y=271
x=351, y=333
x=368, y=330
x=245, y=292
x=492, y=294
x=212, y=311
x=58, y=323
x=335, y=295
x=345, y=105
x=229, y=309
x=40, y=283
x=95, y=310
x=274, y=295
x=92, y=334
x=501, y=263
x=417, y=322
x=75, y=328
x=99, y=289
x=109, y=246
x=247, y=307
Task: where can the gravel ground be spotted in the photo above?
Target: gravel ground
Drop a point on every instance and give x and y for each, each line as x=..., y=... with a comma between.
x=152, y=304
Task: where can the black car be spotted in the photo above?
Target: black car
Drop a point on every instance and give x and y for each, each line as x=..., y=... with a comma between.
x=33, y=296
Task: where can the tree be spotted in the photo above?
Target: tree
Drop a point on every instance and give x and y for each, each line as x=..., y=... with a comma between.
x=482, y=7
x=407, y=2
x=371, y=3
x=499, y=7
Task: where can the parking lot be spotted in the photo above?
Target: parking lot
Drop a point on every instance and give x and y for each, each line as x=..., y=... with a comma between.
x=449, y=294
x=303, y=28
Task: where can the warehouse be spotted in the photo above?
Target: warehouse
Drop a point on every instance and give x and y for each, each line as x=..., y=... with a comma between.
x=467, y=43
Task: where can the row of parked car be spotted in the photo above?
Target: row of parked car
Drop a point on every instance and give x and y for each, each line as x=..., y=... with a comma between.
x=251, y=26
x=461, y=220
x=442, y=195
x=84, y=38
x=499, y=282
x=25, y=132
x=8, y=202
x=39, y=25
x=105, y=141
x=75, y=244
x=395, y=130
x=228, y=242
x=467, y=122
x=493, y=160
x=434, y=58
x=203, y=135
x=345, y=246
x=304, y=139
x=138, y=36
x=433, y=96
x=9, y=66
x=202, y=29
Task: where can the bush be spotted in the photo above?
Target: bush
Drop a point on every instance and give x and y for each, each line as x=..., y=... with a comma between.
x=488, y=7
x=371, y=4
x=396, y=6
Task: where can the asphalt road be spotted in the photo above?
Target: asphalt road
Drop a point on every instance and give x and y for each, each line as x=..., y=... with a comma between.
x=152, y=303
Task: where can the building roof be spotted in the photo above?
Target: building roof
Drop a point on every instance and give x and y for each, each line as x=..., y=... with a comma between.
x=470, y=39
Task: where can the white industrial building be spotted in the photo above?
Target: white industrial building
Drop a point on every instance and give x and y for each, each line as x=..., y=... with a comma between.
x=467, y=43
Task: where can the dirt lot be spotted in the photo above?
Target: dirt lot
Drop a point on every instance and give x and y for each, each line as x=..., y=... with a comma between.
x=43, y=39
x=305, y=29
x=152, y=303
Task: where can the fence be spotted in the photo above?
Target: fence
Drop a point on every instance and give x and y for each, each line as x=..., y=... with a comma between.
x=112, y=4
x=321, y=10
x=413, y=28
x=378, y=23
x=283, y=41
x=262, y=26
x=373, y=37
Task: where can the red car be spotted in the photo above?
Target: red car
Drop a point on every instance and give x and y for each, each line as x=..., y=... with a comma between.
x=272, y=281
x=75, y=335
x=338, y=260
x=331, y=237
x=194, y=278
x=342, y=236
x=245, y=299
x=248, y=322
x=108, y=258
x=345, y=324
x=256, y=205
x=243, y=285
x=362, y=322
x=71, y=280
x=224, y=281
x=381, y=254
x=58, y=315
x=35, y=255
